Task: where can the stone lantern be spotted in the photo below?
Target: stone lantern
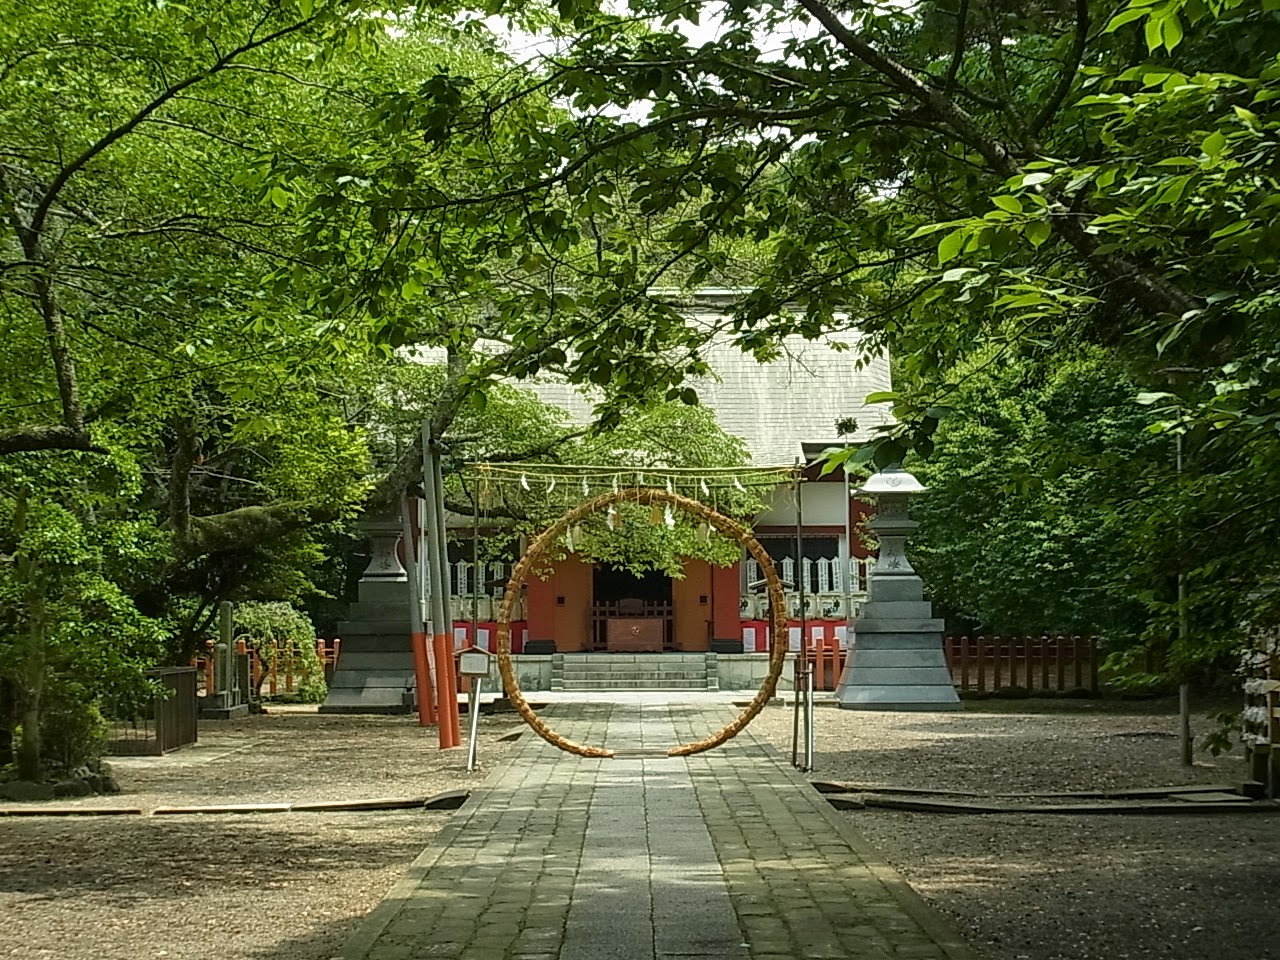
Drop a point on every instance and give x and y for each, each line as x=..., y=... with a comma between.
x=896, y=660
x=374, y=673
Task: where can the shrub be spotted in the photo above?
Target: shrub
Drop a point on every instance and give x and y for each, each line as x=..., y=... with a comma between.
x=73, y=732
x=269, y=629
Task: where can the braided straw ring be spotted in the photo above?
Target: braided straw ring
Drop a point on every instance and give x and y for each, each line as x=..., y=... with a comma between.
x=548, y=538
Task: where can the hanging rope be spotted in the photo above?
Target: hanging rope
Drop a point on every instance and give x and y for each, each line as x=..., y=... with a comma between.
x=547, y=540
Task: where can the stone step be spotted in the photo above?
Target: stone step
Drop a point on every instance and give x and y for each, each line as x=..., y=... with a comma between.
x=568, y=685
x=633, y=674
x=576, y=658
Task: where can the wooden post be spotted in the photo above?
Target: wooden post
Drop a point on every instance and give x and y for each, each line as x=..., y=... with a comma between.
x=1075, y=655
x=982, y=663
x=1059, y=650
x=1044, y=661
x=209, y=648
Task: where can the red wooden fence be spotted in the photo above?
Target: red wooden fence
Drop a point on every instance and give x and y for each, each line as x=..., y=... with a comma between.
x=283, y=671
x=985, y=664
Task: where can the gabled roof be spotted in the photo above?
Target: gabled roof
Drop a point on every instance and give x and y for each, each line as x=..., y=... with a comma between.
x=784, y=410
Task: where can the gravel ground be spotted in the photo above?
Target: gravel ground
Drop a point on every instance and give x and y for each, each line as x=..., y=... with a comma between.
x=1039, y=887
x=280, y=886
x=295, y=886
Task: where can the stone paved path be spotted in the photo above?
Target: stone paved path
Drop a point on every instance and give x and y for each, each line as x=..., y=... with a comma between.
x=727, y=855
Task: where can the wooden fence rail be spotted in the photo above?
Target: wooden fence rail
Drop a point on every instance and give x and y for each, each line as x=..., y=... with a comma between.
x=282, y=672
x=986, y=664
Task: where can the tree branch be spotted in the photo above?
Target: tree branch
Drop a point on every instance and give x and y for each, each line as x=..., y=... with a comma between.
x=76, y=165
x=1070, y=66
x=962, y=17
x=29, y=439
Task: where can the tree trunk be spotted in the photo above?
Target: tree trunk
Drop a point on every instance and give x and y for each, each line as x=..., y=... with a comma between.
x=30, y=760
x=6, y=722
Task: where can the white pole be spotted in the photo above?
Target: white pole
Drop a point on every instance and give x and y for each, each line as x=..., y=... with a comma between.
x=473, y=707
x=809, y=719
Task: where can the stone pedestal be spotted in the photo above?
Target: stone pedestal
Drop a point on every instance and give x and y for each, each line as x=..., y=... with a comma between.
x=897, y=661
x=374, y=673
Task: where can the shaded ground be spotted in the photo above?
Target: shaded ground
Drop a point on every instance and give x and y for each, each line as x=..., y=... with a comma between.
x=288, y=886
x=1057, y=887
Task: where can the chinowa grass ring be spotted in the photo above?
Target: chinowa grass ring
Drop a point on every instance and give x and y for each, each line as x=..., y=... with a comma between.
x=547, y=540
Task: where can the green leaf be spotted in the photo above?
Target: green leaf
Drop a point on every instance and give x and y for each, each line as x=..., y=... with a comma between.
x=1038, y=232
x=1153, y=33
x=1011, y=204
x=1127, y=16
x=1230, y=229
x=881, y=396
x=951, y=245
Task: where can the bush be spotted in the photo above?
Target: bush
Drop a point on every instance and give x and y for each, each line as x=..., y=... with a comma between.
x=73, y=732
x=269, y=629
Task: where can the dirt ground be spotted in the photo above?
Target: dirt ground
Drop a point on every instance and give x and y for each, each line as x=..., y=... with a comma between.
x=1040, y=887
x=278, y=886
x=295, y=886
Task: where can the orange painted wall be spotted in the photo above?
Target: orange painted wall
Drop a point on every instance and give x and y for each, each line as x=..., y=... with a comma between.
x=726, y=588
x=691, y=600
x=571, y=621
x=559, y=607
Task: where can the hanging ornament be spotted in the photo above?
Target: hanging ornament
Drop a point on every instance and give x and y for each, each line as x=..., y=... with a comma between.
x=586, y=490
x=552, y=485
x=704, y=532
x=611, y=517
x=577, y=533
x=670, y=487
x=669, y=517
x=655, y=514
x=615, y=483
x=568, y=540
x=702, y=485
x=738, y=485
x=524, y=481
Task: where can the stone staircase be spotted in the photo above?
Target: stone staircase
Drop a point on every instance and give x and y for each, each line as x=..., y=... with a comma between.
x=634, y=671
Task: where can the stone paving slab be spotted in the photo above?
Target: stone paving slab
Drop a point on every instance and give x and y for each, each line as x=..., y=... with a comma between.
x=728, y=855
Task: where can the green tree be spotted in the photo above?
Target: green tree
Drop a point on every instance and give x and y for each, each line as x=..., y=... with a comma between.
x=1027, y=524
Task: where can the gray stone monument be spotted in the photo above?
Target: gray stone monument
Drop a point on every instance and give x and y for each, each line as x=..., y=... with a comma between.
x=374, y=673
x=897, y=661
x=229, y=700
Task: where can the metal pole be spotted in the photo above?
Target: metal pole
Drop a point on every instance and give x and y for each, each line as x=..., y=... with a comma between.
x=478, y=580
x=799, y=683
x=473, y=708
x=809, y=724
x=846, y=573
x=1185, y=742
x=417, y=631
x=443, y=555
x=439, y=644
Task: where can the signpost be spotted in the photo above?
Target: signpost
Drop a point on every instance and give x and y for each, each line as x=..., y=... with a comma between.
x=477, y=664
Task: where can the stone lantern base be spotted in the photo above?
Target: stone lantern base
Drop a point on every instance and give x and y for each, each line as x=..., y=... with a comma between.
x=897, y=661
